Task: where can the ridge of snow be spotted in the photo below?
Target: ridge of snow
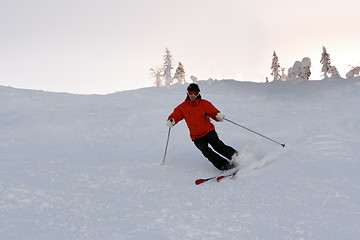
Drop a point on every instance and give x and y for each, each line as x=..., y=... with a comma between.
x=88, y=166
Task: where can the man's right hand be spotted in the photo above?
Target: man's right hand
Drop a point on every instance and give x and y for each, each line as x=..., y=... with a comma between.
x=170, y=123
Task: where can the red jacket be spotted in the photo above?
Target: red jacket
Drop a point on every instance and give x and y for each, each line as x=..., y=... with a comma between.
x=196, y=115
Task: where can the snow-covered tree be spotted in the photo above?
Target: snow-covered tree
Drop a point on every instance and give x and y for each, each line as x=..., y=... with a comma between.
x=291, y=74
x=167, y=67
x=275, y=67
x=354, y=72
x=326, y=65
x=283, y=75
x=297, y=69
x=333, y=72
x=305, y=68
x=158, y=74
x=325, y=61
x=180, y=74
x=194, y=79
x=300, y=70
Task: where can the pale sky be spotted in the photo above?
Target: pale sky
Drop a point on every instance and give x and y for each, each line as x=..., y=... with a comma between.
x=105, y=46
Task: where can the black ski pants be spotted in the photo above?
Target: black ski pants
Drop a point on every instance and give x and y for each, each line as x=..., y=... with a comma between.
x=212, y=138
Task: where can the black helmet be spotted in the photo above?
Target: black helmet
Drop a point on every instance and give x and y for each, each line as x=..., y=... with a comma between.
x=193, y=87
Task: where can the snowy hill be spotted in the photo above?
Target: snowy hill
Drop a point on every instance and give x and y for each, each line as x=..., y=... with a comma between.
x=88, y=166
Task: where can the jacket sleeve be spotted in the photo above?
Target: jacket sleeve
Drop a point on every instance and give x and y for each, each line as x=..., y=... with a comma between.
x=177, y=115
x=211, y=111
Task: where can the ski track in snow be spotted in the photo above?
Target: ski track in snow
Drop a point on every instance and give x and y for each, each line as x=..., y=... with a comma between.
x=88, y=166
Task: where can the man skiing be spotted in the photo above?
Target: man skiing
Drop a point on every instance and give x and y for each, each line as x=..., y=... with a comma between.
x=197, y=113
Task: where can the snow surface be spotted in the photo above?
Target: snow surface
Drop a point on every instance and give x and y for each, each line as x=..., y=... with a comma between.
x=88, y=166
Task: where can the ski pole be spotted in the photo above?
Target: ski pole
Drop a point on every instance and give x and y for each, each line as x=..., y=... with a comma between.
x=282, y=144
x=167, y=143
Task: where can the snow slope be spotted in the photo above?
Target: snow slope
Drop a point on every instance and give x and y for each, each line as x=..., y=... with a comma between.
x=88, y=166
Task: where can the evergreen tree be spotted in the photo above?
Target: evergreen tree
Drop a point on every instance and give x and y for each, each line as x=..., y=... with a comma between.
x=325, y=61
x=158, y=74
x=326, y=65
x=180, y=74
x=283, y=75
x=333, y=72
x=300, y=70
x=305, y=68
x=354, y=72
x=297, y=69
x=291, y=74
x=194, y=79
x=275, y=67
x=167, y=67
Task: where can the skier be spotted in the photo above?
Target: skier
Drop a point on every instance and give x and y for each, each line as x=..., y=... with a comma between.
x=197, y=113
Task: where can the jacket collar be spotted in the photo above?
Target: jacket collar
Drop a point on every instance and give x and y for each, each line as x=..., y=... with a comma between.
x=194, y=103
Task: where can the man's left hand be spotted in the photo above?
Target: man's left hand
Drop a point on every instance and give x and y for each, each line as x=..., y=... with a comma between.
x=220, y=116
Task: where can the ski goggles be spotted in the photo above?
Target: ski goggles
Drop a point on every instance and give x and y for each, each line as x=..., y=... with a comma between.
x=193, y=93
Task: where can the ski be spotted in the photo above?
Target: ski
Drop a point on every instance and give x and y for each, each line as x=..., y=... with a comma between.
x=218, y=178
x=227, y=176
x=244, y=170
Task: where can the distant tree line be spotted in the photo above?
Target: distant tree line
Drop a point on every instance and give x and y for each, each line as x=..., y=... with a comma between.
x=301, y=70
